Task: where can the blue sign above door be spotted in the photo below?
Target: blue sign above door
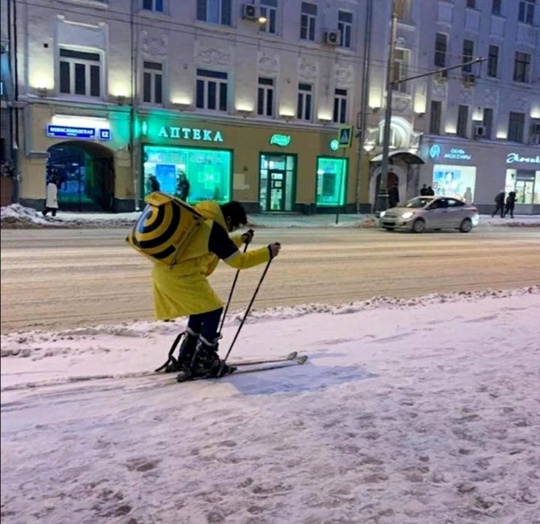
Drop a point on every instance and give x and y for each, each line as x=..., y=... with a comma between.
x=78, y=132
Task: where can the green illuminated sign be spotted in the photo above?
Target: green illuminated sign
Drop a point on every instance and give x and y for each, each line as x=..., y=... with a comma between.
x=334, y=145
x=280, y=140
x=182, y=133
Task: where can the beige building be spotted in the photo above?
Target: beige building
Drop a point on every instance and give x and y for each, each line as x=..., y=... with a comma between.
x=250, y=100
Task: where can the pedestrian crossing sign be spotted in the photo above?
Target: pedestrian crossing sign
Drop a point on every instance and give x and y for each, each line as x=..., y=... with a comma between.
x=345, y=136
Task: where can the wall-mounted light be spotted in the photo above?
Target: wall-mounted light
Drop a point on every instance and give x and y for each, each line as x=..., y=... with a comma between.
x=244, y=112
x=375, y=109
x=182, y=106
x=120, y=100
x=262, y=20
x=420, y=114
x=42, y=91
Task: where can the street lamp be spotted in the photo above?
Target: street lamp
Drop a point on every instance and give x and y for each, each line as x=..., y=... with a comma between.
x=382, y=195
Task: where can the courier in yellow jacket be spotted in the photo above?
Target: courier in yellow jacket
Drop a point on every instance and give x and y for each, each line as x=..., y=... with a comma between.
x=184, y=290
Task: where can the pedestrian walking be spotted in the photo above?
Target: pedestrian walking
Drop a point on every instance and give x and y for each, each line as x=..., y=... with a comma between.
x=499, y=204
x=510, y=204
x=183, y=187
x=430, y=191
x=154, y=183
x=393, y=196
x=424, y=190
x=51, y=201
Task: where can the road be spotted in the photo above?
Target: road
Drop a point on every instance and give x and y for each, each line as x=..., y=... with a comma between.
x=55, y=279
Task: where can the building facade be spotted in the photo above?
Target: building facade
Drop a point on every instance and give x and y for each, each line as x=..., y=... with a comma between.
x=250, y=100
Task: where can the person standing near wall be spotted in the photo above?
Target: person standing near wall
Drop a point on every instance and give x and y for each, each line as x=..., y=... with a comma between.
x=51, y=202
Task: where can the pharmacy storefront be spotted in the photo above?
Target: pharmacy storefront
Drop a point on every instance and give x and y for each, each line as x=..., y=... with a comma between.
x=200, y=159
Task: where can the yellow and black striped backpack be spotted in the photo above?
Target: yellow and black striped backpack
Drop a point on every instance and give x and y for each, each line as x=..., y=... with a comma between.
x=164, y=228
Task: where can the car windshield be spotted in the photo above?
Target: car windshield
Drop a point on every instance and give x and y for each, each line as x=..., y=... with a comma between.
x=418, y=202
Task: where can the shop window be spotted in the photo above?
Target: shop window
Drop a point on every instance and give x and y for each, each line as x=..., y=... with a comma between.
x=399, y=69
x=265, y=97
x=522, y=67
x=493, y=61
x=331, y=181
x=345, y=23
x=269, y=11
x=468, y=52
x=153, y=82
x=340, y=106
x=80, y=73
x=454, y=181
x=462, y=121
x=214, y=11
x=304, y=108
x=435, y=116
x=516, y=127
x=208, y=171
x=526, y=184
x=211, y=90
x=153, y=5
x=308, y=21
x=526, y=11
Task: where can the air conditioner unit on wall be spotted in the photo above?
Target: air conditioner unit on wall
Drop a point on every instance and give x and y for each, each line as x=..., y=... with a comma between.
x=331, y=37
x=469, y=79
x=479, y=131
x=535, y=128
x=249, y=12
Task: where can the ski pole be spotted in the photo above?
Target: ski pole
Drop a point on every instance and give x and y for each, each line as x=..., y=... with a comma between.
x=247, y=312
x=232, y=290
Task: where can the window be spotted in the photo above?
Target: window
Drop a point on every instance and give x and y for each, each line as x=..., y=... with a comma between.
x=488, y=121
x=441, y=48
x=211, y=90
x=496, y=7
x=153, y=5
x=304, y=102
x=345, y=21
x=214, y=11
x=435, y=117
x=331, y=181
x=493, y=61
x=468, y=52
x=526, y=11
x=269, y=11
x=308, y=21
x=516, y=127
x=80, y=73
x=152, y=82
x=265, y=97
x=399, y=70
x=402, y=9
x=471, y=4
x=522, y=67
x=340, y=106
x=462, y=121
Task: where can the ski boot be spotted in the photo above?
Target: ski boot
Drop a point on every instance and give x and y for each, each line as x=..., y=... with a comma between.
x=186, y=352
x=206, y=361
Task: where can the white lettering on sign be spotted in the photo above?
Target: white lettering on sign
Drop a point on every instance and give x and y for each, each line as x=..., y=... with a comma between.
x=188, y=133
x=458, y=154
x=514, y=158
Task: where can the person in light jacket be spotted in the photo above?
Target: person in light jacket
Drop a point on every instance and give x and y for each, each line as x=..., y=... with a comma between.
x=51, y=202
x=184, y=290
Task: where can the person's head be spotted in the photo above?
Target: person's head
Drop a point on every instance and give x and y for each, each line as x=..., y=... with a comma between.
x=234, y=214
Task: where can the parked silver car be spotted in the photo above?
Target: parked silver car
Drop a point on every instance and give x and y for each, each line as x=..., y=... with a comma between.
x=431, y=212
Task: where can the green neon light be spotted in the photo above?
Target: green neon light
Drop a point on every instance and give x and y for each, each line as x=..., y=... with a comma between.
x=334, y=145
x=280, y=140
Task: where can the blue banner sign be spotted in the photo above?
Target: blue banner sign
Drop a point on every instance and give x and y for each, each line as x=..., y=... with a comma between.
x=77, y=132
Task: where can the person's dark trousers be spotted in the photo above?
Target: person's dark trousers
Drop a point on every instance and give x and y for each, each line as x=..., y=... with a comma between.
x=206, y=324
x=47, y=209
x=497, y=209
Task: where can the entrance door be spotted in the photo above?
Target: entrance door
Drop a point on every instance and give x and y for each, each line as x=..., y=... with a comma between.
x=276, y=193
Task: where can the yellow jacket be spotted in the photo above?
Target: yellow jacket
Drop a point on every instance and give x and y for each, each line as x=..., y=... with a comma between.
x=183, y=289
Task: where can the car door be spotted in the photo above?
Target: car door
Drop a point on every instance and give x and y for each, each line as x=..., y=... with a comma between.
x=436, y=213
x=456, y=212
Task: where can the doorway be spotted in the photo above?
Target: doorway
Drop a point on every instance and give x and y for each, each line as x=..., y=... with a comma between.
x=277, y=182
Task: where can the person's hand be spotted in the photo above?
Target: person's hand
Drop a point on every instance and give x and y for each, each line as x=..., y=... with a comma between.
x=274, y=249
x=247, y=237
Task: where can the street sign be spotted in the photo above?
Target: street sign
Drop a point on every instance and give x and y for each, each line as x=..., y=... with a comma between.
x=345, y=136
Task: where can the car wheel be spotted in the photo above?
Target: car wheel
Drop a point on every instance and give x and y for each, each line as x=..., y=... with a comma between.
x=419, y=226
x=388, y=228
x=466, y=225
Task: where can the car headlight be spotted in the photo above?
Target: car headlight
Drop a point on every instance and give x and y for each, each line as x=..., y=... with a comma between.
x=382, y=214
x=408, y=214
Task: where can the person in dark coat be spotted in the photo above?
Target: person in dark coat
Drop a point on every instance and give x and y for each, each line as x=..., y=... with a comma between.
x=430, y=191
x=510, y=204
x=154, y=183
x=393, y=196
x=424, y=190
x=183, y=187
x=499, y=203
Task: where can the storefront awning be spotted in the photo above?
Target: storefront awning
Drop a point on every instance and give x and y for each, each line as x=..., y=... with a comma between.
x=403, y=155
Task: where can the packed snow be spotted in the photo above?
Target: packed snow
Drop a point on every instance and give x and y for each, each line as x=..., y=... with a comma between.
x=423, y=411
x=15, y=215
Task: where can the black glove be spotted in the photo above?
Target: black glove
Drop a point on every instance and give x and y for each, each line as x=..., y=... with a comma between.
x=247, y=237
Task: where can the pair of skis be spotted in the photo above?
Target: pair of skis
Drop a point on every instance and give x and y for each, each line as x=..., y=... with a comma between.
x=251, y=366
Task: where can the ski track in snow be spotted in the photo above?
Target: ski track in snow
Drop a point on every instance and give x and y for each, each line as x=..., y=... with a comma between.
x=431, y=418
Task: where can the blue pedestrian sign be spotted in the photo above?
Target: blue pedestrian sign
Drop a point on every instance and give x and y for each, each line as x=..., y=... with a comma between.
x=345, y=136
